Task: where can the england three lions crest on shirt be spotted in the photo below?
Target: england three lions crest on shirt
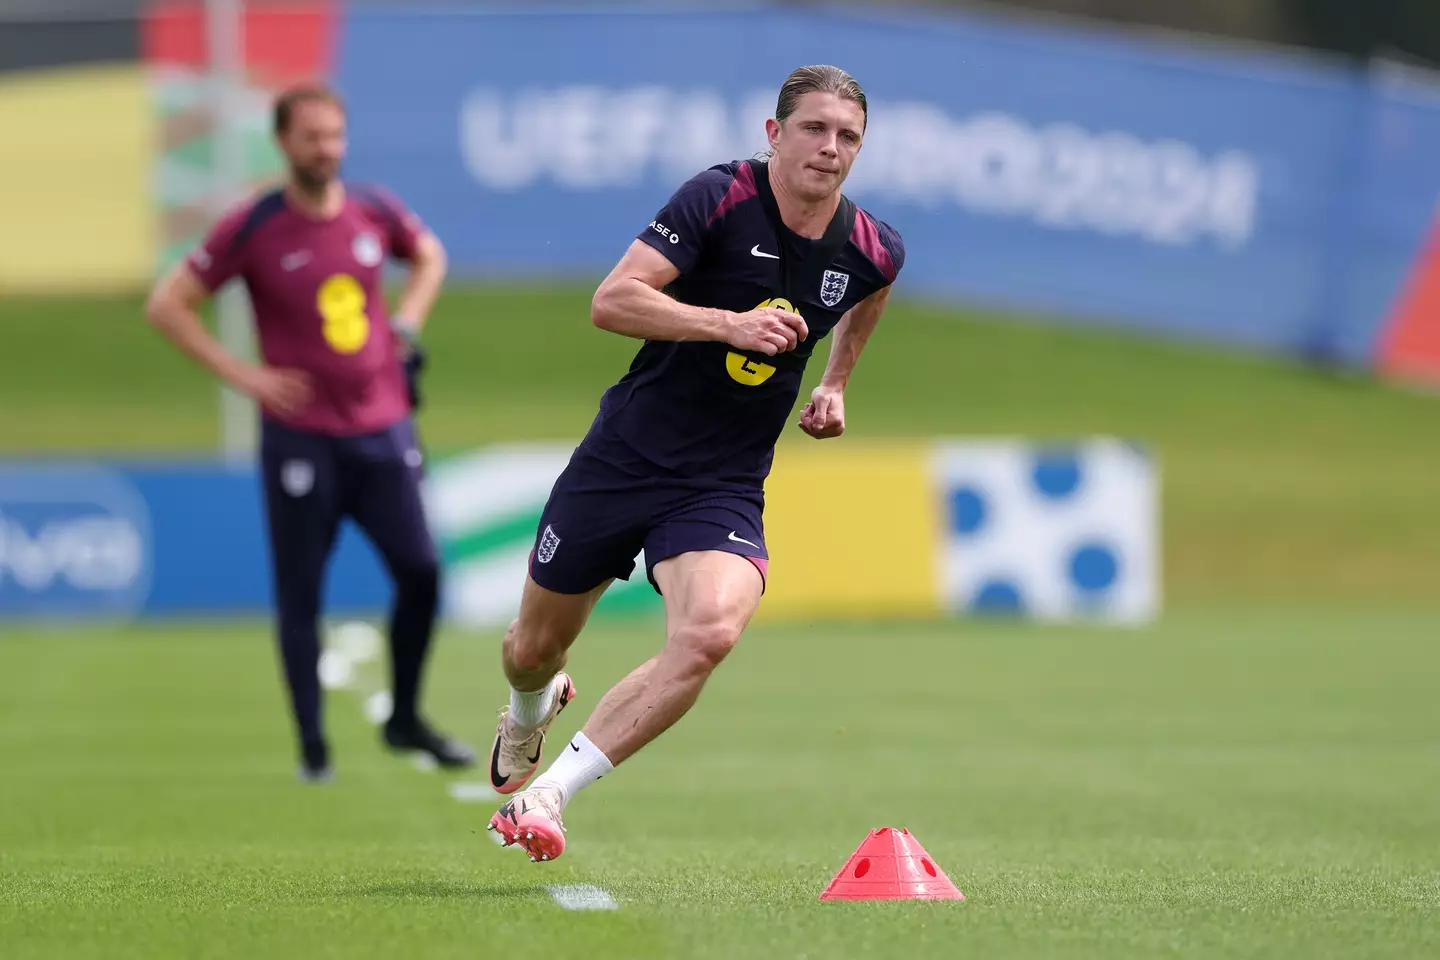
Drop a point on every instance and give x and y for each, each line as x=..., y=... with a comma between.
x=367, y=250
x=832, y=287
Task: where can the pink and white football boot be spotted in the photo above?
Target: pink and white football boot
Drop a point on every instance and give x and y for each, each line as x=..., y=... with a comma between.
x=532, y=819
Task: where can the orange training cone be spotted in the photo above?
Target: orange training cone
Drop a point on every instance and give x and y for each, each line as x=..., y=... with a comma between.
x=890, y=864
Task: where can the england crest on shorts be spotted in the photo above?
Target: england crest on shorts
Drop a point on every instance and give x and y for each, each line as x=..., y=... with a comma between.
x=833, y=286
x=548, y=543
x=297, y=477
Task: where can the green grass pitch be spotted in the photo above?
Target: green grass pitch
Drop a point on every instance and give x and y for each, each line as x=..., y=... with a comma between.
x=1227, y=785
x=1254, y=776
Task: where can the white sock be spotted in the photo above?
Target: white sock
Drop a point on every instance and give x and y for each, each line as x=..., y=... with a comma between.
x=529, y=710
x=579, y=764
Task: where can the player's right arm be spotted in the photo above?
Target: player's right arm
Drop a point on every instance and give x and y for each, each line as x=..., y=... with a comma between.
x=173, y=308
x=630, y=302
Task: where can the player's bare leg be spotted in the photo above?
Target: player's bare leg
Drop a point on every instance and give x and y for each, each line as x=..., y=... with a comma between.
x=710, y=597
x=534, y=651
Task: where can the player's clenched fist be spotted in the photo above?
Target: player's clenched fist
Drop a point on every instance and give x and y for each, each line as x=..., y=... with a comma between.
x=767, y=330
x=824, y=416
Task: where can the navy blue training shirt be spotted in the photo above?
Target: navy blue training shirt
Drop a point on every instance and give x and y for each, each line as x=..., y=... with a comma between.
x=705, y=412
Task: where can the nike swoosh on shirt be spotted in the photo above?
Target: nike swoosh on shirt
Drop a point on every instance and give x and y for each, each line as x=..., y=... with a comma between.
x=742, y=540
x=755, y=251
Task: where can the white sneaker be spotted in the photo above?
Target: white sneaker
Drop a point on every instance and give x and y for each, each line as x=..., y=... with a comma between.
x=515, y=756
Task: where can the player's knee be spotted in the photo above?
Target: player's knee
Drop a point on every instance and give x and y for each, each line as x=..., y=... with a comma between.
x=707, y=642
x=529, y=649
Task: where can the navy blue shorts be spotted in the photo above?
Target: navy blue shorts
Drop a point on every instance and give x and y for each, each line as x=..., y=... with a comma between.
x=599, y=519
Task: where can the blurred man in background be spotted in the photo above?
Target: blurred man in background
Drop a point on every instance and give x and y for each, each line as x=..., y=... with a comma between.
x=338, y=439
x=675, y=463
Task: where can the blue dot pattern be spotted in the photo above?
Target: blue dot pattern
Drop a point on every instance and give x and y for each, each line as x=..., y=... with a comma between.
x=998, y=596
x=967, y=511
x=1057, y=474
x=1094, y=568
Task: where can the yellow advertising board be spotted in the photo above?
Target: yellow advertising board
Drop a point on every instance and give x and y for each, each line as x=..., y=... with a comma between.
x=853, y=529
x=76, y=161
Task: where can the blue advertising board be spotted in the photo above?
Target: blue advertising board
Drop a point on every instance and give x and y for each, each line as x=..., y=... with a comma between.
x=1248, y=198
x=116, y=541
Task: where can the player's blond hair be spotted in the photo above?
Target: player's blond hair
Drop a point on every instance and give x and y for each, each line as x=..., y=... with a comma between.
x=821, y=78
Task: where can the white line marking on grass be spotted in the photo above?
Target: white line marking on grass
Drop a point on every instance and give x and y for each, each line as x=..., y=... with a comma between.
x=582, y=896
x=472, y=792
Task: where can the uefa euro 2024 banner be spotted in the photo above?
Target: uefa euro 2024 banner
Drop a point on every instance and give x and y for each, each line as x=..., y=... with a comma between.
x=1245, y=198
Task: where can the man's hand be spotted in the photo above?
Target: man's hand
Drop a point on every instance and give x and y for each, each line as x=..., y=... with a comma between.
x=283, y=390
x=767, y=330
x=824, y=416
x=412, y=356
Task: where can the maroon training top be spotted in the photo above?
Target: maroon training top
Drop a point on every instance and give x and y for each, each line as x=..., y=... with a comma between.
x=316, y=289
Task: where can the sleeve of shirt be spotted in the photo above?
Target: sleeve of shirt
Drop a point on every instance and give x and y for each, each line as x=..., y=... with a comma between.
x=221, y=255
x=894, y=245
x=680, y=229
x=403, y=228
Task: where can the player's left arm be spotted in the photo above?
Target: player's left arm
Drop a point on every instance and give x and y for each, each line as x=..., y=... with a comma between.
x=824, y=416
x=416, y=245
x=428, y=266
